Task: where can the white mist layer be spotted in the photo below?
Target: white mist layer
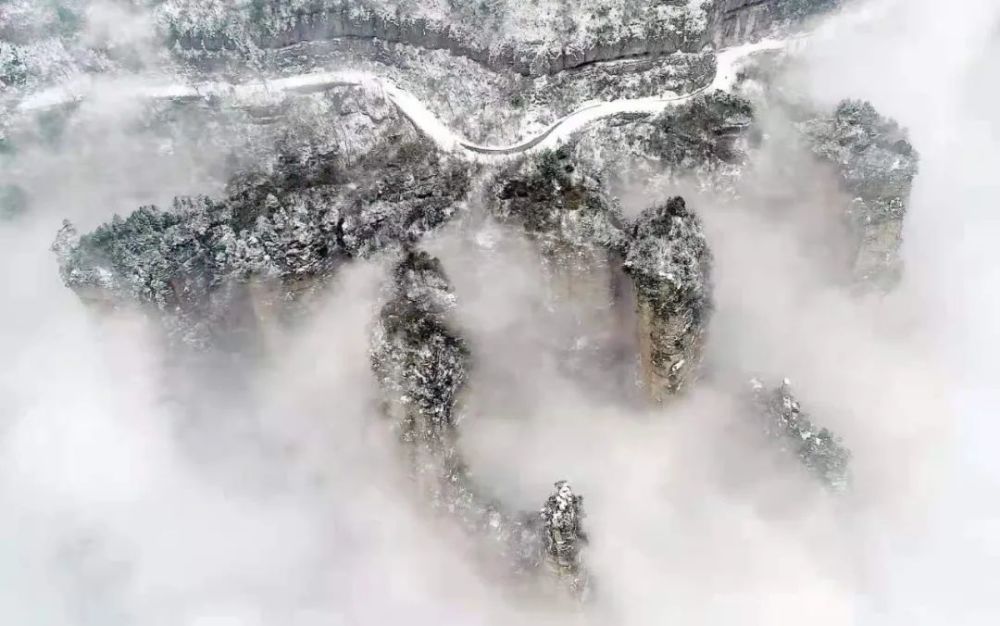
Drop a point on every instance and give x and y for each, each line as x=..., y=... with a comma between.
x=933, y=68
x=290, y=510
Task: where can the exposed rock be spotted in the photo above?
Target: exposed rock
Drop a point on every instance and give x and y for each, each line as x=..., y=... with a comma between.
x=562, y=516
x=784, y=422
x=422, y=364
x=703, y=133
x=275, y=238
x=705, y=142
x=467, y=31
x=876, y=164
x=869, y=155
x=584, y=242
x=637, y=77
x=580, y=236
x=738, y=21
x=558, y=205
x=669, y=260
x=214, y=270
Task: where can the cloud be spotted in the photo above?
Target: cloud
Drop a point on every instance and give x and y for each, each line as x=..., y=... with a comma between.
x=281, y=501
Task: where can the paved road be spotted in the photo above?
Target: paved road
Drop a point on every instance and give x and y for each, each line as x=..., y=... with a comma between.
x=728, y=65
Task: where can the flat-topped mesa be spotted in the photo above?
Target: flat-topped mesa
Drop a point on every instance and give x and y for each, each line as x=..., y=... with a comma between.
x=670, y=263
x=214, y=270
x=492, y=34
x=733, y=22
x=784, y=422
x=876, y=165
x=422, y=364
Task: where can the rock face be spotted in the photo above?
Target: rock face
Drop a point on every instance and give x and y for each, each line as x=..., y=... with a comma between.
x=669, y=261
x=876, y=165
x=738, y=21
x=469, y=32
x=562, y=517
x=701, y=133
x=579, y=234
x=585, y=244
x=422, y=364
x=872, y=161
x=784, y=422
x=212, y=270
x=706, y=142
x=343, y=176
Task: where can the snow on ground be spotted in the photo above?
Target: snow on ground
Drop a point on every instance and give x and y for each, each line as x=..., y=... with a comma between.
x=730, y=62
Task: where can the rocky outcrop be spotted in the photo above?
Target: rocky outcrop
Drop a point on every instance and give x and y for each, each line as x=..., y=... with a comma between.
x=585, y=245
x=639, y=77
x=562, y=517
x=423, y=363
x=670, y=263
x=870, y=157
x=706, y=142
x=580, y=237
x=733, y=22
x=276, y=25
x=784, y=422
x=213, y=269
x=215, y=274
x=701, y=134
x=876, y=165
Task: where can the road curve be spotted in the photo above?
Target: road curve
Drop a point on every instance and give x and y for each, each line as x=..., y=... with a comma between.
x=729, y=63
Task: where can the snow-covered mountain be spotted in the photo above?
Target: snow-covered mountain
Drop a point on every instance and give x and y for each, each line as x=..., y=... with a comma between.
x=325, y=134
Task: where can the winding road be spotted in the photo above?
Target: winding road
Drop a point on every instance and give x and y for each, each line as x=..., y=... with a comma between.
x=729, y=63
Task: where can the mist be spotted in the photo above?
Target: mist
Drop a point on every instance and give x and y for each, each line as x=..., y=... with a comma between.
x=283, y=502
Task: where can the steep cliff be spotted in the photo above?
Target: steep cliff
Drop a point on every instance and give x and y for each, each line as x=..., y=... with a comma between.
x=423, y=364
x=277, y=236
x=732, y=22
x=525, y=39
x=345, y=175
x=876, y=165
x=793, y=432
x=586, y=243
x=670, y=262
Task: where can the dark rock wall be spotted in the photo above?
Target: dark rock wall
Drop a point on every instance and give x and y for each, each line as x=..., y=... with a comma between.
x=335, y=19
x=733, y=22
x=276, y=237
x=876, y=165
x=584, y=241
x=423, y=363
x=793, y=432
x=669, y=260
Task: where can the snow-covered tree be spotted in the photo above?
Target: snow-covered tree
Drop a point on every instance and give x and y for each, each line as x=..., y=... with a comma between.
x=876, y=164
x=792, y=429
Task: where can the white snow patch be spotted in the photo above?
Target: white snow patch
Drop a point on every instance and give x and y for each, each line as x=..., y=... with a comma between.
x=730, y=62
